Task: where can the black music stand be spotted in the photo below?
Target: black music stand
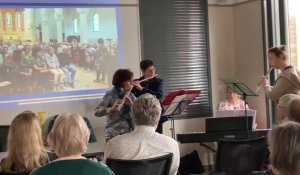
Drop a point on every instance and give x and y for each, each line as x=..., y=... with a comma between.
x=243, y=90
x=176, y=107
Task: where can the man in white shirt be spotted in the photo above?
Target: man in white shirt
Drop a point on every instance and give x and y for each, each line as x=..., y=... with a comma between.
x=144, y=142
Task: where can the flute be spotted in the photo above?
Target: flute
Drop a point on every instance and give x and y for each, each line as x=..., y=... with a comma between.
x=120, y=105
x=266, y=75
x=148, y=78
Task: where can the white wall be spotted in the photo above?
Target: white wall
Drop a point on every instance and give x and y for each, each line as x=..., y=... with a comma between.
x=222, y=49
x=236, y=52
x=249, y=53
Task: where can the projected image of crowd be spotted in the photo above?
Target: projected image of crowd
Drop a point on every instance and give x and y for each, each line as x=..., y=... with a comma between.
x=27, y=67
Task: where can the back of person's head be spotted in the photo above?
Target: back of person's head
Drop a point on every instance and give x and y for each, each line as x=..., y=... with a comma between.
x=69, y=135
x=294, y=110
x=284, y=143
x=283, y=106
x=35, y=51
x=17, y=56
x=100, y=41
x=146, y=110
x=145, y=64
x=121, y=76
x=24, y=144
x=279, y=51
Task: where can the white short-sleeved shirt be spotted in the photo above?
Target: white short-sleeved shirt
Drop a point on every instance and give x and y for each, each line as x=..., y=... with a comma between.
x=143, y=143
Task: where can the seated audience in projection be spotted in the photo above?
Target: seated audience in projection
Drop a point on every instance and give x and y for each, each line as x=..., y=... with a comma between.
x=232, y=102
x=66, y=65
x=1, y=58
x=282, y=109
x=117, y=104
x=54, y=68
x=21, y=72
x=144, y=142
x=74, y=60
x=69, y=139
x=27, y=54
x=284, y=148
x=40, y=71
x=25, y=150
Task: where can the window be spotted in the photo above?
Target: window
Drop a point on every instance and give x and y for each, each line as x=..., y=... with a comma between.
x=96, y=22
x=8, y=20
x=281, y=20
x=19, y=21
x=75, y=26
x=179, y=48
x=294, y=32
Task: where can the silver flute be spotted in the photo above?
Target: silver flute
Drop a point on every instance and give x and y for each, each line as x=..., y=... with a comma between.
x=258, y=84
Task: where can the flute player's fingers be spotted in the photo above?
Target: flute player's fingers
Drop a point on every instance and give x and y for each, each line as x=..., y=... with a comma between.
x=264, y=81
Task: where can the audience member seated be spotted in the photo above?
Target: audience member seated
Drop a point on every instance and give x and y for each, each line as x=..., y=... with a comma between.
x=69, y=138
x=294, y=110
x=40, y=70
x=282, y=112
x=25, y=150
x=53, y=66
x=144, y=142
x=284, y=143
x=232, y=102
x=21, y=72
x=69, y=69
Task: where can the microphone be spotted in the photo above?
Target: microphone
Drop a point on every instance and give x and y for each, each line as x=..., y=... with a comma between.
x=258, y=84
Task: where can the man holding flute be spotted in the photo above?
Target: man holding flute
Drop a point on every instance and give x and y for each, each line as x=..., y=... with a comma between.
x=149, y=83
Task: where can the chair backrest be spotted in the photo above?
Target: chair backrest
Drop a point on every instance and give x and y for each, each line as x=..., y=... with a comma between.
x=7, y=173
x=236, y=157
x=3, y=137
x=50, y=122
x=153, y=166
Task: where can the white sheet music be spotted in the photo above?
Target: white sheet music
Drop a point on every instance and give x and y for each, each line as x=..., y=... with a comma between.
x=238, y=113
x=174, y=105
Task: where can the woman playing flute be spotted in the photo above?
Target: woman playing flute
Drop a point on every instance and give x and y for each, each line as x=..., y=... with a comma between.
x=288, y=81
x=117, y=104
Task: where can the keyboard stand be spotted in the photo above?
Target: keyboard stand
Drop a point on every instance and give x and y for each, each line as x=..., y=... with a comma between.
x=208, y=147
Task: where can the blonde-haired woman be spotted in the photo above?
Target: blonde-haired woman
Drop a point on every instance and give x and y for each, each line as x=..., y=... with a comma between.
x=69, y=138
x=25, y=147
x=284, y=143
x=288, y=81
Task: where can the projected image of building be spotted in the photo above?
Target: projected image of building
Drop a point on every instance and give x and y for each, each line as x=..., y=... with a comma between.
x=57, y=49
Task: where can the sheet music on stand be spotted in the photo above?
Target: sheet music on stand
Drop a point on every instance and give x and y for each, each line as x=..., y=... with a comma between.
x=175, y=103
x=243, y=90
x=238, y=87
